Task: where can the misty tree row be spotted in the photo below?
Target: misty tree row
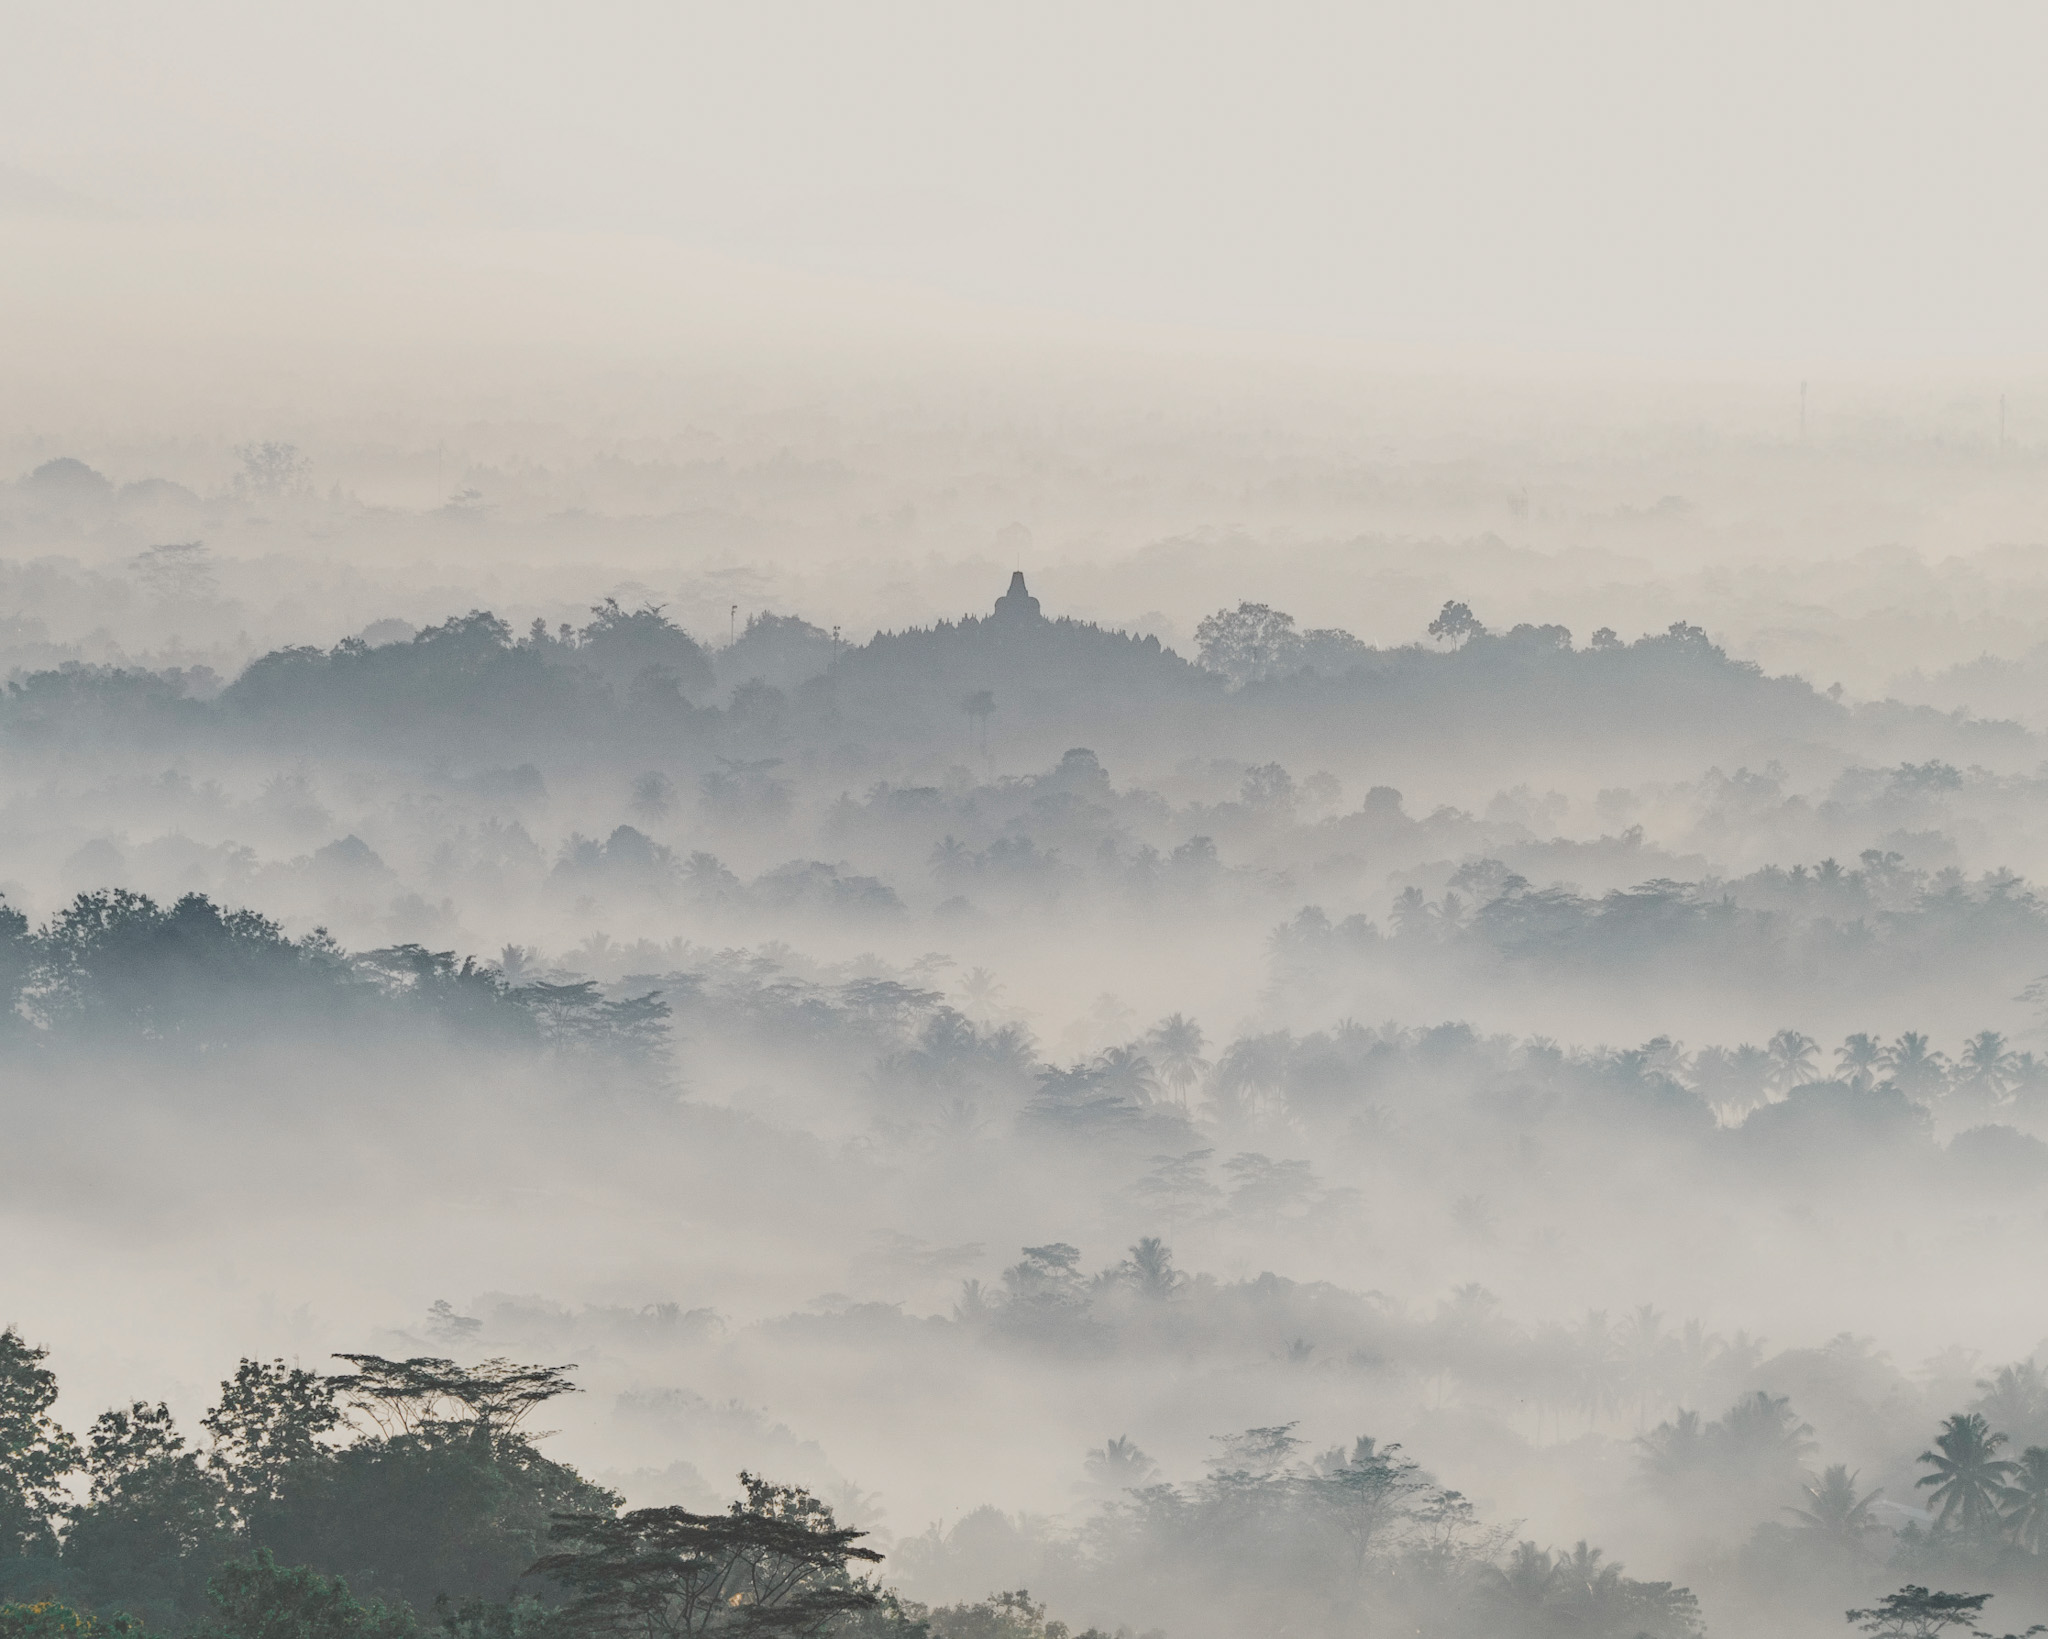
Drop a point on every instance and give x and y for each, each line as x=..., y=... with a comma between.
x=117, y=966
x=633, y=679
x=413, y=1480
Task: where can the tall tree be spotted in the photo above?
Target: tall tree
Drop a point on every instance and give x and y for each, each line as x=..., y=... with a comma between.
x=35, y=1451
x=774, y=1563
x=1833, y=1511
x=1968, y=1482
x=2026, y=1500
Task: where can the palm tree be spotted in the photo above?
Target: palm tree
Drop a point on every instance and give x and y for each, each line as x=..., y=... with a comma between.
x=2026, y=1499
x=1969, y=1477
x=1120, y=1464
x=980, y=989
x=1834, y=1511
x=1792, y=1059
x=1674, y=1449
x=2016, y=1399
x=1858, y=1058
x=1150, y=1269
x=1986, y=1066
x=1582, y=1579
x=1126, y=1072
x=1762, y=1430
x=1251, y=1072
x=1529, y=1575
x=1177, y=1042
x=1915, y=1066
x=1645, y=1352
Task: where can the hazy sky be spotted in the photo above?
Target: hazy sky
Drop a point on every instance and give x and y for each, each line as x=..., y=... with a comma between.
x=1777, y=182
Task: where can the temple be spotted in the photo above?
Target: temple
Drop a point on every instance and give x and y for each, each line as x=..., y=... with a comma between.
x=1017, y=604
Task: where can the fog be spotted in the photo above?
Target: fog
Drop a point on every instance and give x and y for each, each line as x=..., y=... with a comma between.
x=1009, y=823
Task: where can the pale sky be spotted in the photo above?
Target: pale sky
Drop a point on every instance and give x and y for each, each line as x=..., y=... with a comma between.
x=1777, y=182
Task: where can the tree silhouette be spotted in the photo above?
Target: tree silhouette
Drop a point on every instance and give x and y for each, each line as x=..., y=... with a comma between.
x=1859, y=1058
x=1915, y=1066
x=412, y=1394
x=1176, y=1043
x=775, y=1563
x=1986, y=1067
x=36, y=1451
x=1120, y=1465
x=1454, y=624
x=1968, y=1482
x=1792, y=1056
x=1834, y=1511
x=1149, y=1270
x=1915, y=1613
x=2026, y=1499
x=1247, y=644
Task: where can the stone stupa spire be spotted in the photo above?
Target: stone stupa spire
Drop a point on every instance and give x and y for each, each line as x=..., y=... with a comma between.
x=1017, y=604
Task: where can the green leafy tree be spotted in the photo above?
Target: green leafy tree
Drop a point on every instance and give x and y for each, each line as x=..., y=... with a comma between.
x=35, y=1451
x=256, y=1598
x=1009, y=1615
x=271, y=1418
x=46, y=1619
x=155, y=1522
x=446, y=1508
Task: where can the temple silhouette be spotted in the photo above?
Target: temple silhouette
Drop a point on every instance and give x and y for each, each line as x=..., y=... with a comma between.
x=1017, y=604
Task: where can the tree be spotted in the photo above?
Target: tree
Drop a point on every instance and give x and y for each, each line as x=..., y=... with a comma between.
x=1176, y=1043
x=1247, y=644
x=654, y=794
x=1454, y=624
x=1259, y=1452
x=1859, y=1058
x=2026, y=1500
x=155, y=1520
x=36, y=1452
x=270, y=1417
x=258, y=1599
x=1969, y=1477
x=774, y=1563
x=1007, y=1615
x=1120, y=1465
x=1918, y=1070
x=46, y=1619
x=272, y=471
x=1792, y=1056
x=1363, y=1492
x=1151, y=1270
x=2015, y=1399
x=408, y=1395
x=1986, y=1067
x=1915, y=1613
x=1833, y=1511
